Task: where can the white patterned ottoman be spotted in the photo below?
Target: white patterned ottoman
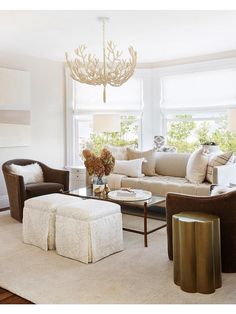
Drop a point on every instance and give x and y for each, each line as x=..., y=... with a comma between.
x=89, y=231
x=39, y=218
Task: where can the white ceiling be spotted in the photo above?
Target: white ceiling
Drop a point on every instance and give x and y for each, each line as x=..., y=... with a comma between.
x=156, y=35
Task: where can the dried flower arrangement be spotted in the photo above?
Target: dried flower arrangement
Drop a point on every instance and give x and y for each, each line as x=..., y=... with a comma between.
x=99, y=165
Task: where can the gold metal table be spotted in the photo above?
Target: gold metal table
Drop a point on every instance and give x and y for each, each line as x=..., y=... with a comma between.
x=196, y=252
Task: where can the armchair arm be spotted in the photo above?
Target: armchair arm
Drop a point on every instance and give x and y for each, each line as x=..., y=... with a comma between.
x=56, y=176
x=224, y=175
x=223, y=205
x=16, y=194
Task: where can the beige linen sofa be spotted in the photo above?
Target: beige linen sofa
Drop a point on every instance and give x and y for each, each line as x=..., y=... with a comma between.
x=170, y=177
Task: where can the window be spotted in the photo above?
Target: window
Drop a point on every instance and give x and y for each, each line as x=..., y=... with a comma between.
x=194, y=107
x=125, y=100
x=186, y=132
x=85, y=138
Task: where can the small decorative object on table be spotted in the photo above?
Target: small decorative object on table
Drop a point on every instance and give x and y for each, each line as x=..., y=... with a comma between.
x=99, y=167
x=106, y=189
x=126, y=192
x=130, y=195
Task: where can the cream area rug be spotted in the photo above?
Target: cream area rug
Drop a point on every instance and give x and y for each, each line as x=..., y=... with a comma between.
x=135, y=275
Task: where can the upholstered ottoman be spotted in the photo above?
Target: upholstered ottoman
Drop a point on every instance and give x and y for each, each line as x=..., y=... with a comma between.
x=39, y=219
x=89, y=231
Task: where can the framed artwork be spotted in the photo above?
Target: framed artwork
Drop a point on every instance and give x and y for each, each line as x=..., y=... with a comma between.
x=15, y=113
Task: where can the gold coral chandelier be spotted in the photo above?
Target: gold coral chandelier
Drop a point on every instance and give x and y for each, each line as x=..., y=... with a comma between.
x=113, y=70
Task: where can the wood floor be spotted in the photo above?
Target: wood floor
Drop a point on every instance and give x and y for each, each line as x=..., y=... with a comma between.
x=7, y=297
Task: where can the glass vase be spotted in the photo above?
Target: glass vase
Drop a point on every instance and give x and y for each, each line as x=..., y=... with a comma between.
x=99, y=182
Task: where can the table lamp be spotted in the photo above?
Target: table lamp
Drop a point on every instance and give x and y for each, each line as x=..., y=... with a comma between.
x=106, y=123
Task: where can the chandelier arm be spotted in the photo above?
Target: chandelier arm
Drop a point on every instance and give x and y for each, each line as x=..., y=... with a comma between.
x=90, y=66
x=121, y=78
x=123, y=70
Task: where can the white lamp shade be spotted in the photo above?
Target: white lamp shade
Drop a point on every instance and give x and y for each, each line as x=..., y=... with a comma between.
x=232, y=119
x=106, y=123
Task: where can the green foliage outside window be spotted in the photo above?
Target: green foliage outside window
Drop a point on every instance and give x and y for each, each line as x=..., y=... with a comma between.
x=186, y=134
x=128, y=127
x=179, y=132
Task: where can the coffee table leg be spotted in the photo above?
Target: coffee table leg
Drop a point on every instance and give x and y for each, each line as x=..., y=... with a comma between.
x=145, y=224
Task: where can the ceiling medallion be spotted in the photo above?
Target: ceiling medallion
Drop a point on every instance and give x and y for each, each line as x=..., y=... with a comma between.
x=112, y=70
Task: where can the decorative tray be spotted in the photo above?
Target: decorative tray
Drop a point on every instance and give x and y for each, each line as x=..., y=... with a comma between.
x=140, y=195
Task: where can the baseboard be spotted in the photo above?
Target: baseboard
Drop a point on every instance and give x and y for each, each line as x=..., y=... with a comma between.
x=4, y=202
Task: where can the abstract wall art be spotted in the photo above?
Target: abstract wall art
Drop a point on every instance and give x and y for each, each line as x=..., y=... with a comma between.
x=15, y=113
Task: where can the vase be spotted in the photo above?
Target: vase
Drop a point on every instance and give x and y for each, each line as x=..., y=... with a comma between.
x=99, y=182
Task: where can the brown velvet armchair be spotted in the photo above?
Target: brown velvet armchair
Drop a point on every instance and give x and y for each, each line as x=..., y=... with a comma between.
x=224, y=206
x=54, y=181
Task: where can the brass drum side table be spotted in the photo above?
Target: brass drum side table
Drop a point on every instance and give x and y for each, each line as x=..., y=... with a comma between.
x=196, y=252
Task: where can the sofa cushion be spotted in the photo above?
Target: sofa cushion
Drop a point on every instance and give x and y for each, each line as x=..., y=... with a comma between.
x=161, y=185
x=148, y=167
x=171, y=164
x=37, y=189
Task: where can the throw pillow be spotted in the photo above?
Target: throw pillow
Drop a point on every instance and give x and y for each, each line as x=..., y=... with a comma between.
x=119, y=152
x=197, y=166
x=148, y=167
x=130, y=168
x=31, y=173
x=218, y=160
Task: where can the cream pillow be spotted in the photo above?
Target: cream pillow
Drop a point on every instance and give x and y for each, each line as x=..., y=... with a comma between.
x=148, y=167
x=31, y=173
x=218, y=160
x=130, y=168
x=197, y=166
x=119, y=152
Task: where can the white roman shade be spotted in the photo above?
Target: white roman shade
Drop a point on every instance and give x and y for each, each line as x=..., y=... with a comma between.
x=207, y=89
x=125, y=98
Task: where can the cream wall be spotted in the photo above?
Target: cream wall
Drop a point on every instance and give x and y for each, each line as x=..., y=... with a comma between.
x=47, y=114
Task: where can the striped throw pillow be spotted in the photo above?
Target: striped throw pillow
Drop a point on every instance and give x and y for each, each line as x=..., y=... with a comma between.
x=218, y=160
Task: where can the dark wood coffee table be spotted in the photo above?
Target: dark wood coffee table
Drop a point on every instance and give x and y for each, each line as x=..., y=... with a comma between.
x=87, y=193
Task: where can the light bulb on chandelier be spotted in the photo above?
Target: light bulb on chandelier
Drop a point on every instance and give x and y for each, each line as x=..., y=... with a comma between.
x=113, y=70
